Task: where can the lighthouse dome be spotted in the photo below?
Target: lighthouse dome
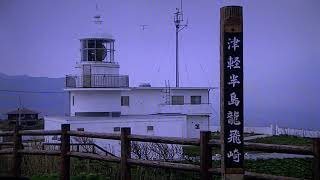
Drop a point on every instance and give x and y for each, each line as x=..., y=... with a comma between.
x=96, y=35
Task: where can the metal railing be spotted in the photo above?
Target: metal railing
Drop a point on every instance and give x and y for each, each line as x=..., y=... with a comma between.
x=97, y=81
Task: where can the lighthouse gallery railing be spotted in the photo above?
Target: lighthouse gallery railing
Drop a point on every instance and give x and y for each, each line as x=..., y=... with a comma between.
x=97, y=81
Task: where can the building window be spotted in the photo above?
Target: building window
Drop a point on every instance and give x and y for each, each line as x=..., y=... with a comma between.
x=124, y=100
x=149, y=128
x=116, y=129
x=177, y=100
x=72, y=100
x=80, y=129
x=55, y=137
x=195, y=99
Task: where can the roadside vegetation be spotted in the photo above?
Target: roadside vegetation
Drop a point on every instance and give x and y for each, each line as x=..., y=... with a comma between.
x=284, y=140
x=39, y=167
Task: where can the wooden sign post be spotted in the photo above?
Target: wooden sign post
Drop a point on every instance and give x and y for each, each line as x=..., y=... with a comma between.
x=231, y=92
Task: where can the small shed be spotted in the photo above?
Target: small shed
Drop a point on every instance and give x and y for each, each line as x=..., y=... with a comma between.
x=27, y=117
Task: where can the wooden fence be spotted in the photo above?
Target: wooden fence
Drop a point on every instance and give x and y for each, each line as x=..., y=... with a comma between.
x=125, y=161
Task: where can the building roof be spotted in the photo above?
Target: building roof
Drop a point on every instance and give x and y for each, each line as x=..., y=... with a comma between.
x=96, y=35
x=174, y=88
x=23, y=111
x=122, y=118
x=140, y=88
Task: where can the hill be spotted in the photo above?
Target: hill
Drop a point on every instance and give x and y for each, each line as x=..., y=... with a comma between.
x=27, y=87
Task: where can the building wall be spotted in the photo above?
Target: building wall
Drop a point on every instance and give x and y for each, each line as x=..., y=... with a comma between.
x=102, y=68
x=94, y=101
x=187, y=93
x=142, y=101
x=148, y=101
x=95, y=69
x=138, y=125
x=195, y=124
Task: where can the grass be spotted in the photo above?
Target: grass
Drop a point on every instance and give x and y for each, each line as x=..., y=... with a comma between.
x=291, y=167
x=47, y=167
x=216, y=135
x=194, y=151
x=284, y=140
x=82, y=176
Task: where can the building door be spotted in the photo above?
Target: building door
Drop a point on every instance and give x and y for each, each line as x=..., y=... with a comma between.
x=86, y=76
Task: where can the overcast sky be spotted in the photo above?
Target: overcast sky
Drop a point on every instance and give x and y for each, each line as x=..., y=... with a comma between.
x=281, y=44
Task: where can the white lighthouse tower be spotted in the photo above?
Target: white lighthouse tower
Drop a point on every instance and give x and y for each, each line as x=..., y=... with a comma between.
x=100, y=99
x=98, y=75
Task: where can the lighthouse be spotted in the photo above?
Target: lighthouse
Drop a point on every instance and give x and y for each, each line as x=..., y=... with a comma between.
x=97, y=75
x=101, y=100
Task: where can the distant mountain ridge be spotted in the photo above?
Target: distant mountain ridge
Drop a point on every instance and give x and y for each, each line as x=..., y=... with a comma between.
x=44, y=102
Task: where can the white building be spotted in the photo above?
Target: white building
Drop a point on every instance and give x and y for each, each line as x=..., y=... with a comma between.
x=102, y=101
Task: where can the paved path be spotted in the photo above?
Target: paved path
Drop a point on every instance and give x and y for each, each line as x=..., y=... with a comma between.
x=255, y=156
x=256, y=137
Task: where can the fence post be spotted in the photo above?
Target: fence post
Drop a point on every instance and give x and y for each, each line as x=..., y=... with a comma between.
x=17, y=144
x=316, y=159
x=65, y=148
x=205, y=155
x=125, y=173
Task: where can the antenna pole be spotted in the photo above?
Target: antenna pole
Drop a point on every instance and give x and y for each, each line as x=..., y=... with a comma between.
x=178, y=19
x=177, y=57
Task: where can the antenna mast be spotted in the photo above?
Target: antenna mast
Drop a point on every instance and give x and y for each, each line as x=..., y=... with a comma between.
x=178, y=19
x=97, y=17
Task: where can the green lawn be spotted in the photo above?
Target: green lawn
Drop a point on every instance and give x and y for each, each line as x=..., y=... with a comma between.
x=284, y=140
x=193, y=151
x=216, y=135
x=291, y=167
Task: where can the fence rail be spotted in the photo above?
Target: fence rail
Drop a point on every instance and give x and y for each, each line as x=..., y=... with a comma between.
x=125, y=161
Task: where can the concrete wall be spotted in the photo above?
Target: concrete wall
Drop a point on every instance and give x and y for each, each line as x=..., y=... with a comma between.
x=191, y=92
x=297, y=132
x=104, y=70
x=138, y=125
x=142, y=101
x=276, y=130
x=194, y=122
x=95, y=101
x=151, y=101
x=99, y=68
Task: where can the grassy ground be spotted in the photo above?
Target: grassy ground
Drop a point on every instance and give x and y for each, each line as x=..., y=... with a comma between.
x=294, y=167
x=47, y=167
x=291, y=167
x=284, y=140
x=216, y=135
x=194, y=151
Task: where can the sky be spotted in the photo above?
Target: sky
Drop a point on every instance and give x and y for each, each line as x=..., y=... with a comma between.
x=281, y=46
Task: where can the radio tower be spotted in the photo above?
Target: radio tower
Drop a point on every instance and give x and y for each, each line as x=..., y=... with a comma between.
x=178, y=20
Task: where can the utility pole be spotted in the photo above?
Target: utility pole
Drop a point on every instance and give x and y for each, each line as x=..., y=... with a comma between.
x=18, y=121
x=19, y=109
x=178, y=19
